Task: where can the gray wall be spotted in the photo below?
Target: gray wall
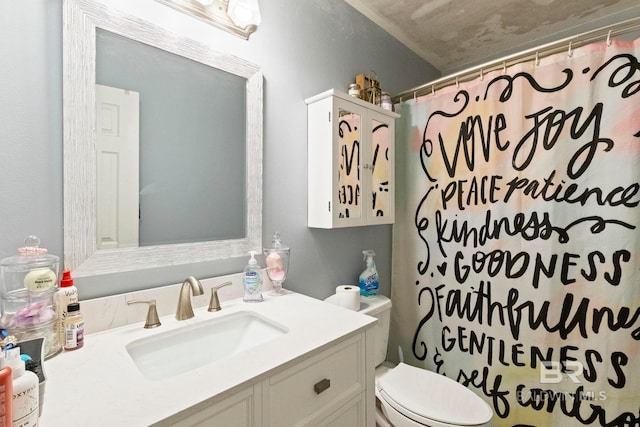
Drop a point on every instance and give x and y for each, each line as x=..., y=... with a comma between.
x=303, y=47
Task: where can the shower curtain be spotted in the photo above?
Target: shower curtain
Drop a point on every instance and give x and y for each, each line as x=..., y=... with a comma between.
x=516, y=254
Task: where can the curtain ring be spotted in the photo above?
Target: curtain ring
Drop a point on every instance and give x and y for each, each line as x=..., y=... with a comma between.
x=481, y=74
x=537, y=58
x=504, y=67
x=609, y=38
x=457, y=82
x=433, y=89
x=570, y=52
x=414, y=98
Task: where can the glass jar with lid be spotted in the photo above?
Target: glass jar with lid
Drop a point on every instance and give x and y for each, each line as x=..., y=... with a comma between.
x=354, y=90
x=28, y=283
x=386, y=102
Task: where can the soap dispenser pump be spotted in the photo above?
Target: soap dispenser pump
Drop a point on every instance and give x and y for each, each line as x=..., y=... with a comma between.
x=252, y=280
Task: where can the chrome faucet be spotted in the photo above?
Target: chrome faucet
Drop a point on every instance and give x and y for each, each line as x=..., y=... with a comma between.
x=191, y=285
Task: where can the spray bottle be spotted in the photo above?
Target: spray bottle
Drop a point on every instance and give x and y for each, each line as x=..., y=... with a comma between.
x=369, y=281
x=67, y=294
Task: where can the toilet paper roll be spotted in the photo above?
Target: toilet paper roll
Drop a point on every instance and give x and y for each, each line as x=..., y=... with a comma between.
x=348, y=296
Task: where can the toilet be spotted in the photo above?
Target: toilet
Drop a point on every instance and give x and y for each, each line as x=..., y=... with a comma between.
x=407, y=396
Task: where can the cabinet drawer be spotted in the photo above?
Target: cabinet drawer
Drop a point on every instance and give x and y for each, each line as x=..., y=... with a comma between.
x=238, y=410
x=352, y=414
x=321, y=383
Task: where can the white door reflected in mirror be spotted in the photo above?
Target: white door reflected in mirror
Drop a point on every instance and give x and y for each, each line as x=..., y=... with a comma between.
x=118, y=152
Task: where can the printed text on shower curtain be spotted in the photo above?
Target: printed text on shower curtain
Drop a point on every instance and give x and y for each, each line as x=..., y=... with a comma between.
x=516, y=251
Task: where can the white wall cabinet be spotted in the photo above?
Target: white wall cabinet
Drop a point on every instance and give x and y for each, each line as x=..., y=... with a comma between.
x=351, y=155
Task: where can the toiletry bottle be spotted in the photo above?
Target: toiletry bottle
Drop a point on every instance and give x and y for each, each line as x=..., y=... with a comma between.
x=252, y=280
x=6, y=393
x=73, y=328
x=369, y=281
x=26, y=395
x=66, y=295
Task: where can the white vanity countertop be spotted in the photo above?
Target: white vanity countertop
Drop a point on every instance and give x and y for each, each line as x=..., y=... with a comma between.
x=99, y=384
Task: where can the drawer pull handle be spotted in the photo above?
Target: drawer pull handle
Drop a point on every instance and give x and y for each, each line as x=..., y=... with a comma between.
x=321, y=386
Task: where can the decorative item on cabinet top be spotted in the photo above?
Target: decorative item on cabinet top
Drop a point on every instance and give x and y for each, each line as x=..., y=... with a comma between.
x=351, y=158
x=368, y=88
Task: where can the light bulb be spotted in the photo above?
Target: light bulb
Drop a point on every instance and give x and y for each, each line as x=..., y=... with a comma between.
x=244, y=12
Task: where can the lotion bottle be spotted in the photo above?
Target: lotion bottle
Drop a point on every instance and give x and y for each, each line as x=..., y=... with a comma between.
x=67, y=294
x=26, y=395
x=6, y=393
x=252, y=280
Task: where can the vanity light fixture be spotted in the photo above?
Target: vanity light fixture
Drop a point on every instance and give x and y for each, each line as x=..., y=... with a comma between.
x=244, y=13
x=239, y=17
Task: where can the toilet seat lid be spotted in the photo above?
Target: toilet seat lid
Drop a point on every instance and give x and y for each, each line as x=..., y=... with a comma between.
x=430, y=396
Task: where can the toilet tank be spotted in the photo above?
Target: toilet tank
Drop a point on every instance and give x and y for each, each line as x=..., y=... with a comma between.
x=380, y=308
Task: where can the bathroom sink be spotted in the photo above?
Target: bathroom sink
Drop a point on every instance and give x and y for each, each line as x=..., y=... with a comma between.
x=181, y=350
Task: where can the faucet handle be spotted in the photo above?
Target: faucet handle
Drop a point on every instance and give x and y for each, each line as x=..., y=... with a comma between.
x=214, y=303
x=152, y=314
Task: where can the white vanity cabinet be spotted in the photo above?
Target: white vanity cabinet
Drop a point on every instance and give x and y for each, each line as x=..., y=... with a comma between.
x=239, y=410
x=332, y=388
x=351, y=176
x=319, y=373
x=326, y=389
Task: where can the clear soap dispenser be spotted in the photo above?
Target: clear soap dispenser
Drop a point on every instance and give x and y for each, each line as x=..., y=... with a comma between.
x=252, y=280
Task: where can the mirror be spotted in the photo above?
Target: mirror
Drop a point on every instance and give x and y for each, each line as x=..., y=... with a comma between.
x=85, y=23
x=189, y=172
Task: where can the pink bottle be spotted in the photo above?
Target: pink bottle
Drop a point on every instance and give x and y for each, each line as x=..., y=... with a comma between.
x=6, y=393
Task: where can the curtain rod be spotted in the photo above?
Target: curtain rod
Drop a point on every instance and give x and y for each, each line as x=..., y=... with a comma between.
x=567, y=43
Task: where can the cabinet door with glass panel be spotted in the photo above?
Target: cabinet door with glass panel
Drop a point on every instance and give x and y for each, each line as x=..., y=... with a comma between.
x=350, y=162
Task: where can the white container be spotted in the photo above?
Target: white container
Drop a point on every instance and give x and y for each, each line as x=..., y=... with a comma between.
x=386, y=102
x=26, y=393
x=354, y=90
x=35, y=348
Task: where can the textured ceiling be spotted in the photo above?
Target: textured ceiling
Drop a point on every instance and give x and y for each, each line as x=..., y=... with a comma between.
x=455, y=34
